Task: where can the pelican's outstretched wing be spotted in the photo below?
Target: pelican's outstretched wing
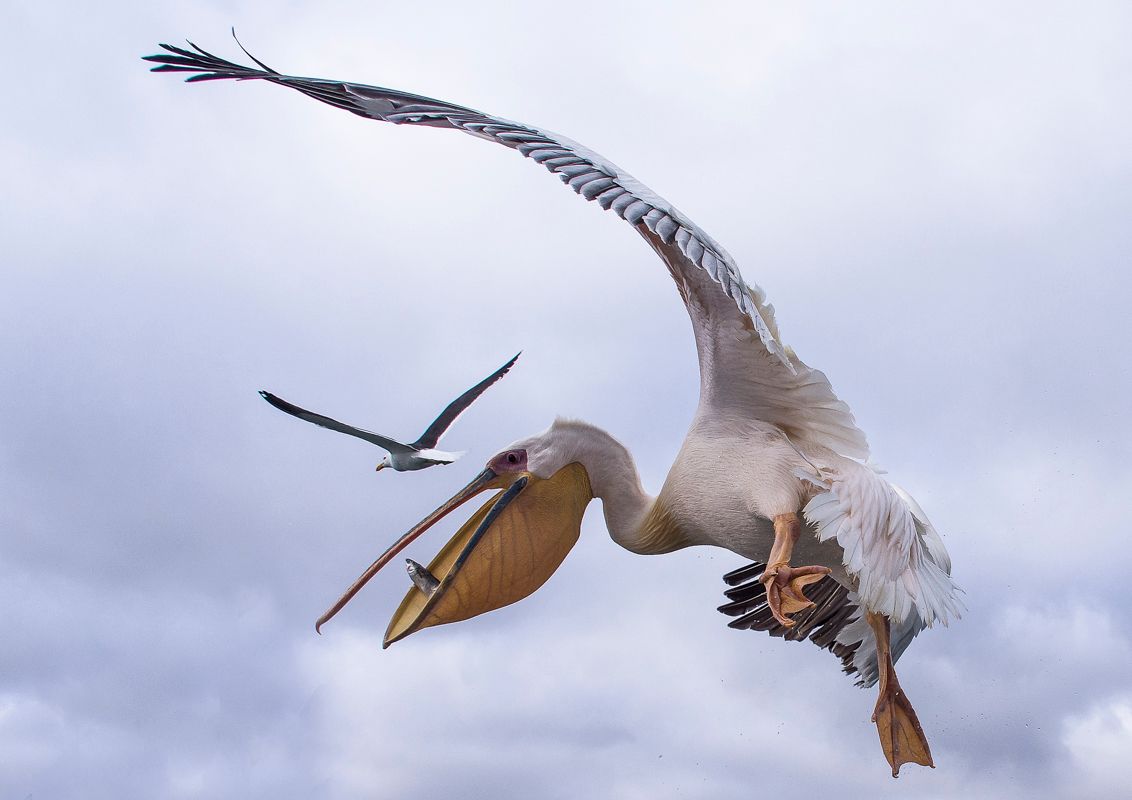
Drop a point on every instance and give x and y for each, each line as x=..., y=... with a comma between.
x=392, y=445
x=773, y=384
x=431, y=437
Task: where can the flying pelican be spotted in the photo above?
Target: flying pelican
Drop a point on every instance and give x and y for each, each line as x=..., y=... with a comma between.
x=403, y=457
x=772, y=467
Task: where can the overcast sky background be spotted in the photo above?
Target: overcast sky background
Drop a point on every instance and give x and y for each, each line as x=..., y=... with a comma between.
x=936, y=199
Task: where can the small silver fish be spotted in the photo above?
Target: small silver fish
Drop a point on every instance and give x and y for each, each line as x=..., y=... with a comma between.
x=424, y=579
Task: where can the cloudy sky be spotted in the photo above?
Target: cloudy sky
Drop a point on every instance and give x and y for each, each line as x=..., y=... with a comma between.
x=935, y=199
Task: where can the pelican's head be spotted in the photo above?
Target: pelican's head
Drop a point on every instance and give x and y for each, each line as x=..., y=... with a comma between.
x=385, y=462
x=507, y=549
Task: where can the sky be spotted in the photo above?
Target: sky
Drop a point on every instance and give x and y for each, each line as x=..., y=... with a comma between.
x=935, y=198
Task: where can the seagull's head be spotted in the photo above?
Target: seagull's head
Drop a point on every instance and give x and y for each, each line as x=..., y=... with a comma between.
x=507, y=549
x=385, y=462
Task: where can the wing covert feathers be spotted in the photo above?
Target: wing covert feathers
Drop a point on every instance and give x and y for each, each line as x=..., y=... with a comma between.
x=586, y=172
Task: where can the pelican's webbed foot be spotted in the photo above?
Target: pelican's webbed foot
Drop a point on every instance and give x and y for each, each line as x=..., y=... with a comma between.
x=783, y=582
x=901, y=736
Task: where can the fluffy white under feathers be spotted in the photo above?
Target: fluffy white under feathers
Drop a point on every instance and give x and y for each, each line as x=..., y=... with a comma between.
x=890, y=548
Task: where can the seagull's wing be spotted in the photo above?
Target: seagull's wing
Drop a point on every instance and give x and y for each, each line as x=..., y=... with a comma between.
x=431, y=437
x=745, y=368
x=392, y=445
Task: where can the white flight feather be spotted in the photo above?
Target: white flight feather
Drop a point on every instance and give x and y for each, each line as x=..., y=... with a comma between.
x=891, y=551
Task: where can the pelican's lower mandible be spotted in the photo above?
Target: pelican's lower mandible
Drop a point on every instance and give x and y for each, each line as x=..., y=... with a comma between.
x=503, y=553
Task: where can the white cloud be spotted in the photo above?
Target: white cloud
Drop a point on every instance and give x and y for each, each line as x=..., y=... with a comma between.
x=1099, y=741
x=933, y=199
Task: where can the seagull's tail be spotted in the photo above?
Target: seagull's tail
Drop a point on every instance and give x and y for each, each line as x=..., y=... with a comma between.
x=440, y=456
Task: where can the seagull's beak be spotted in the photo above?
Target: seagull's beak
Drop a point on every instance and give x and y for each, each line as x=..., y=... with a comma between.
x=380, y=467
x=503, y=553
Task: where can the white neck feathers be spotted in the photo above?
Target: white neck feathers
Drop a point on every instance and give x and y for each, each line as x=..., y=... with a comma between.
x=612, y=473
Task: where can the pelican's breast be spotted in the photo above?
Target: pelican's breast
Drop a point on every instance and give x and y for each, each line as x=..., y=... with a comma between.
x=661, y=531
x=692, y=511
x=728, y=483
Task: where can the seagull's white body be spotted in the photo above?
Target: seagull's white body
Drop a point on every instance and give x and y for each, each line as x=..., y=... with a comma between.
x=407, y=462
x=770, y=439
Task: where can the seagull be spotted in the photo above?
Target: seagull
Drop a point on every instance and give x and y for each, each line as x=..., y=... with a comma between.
x=403, y=457
x=773, y=467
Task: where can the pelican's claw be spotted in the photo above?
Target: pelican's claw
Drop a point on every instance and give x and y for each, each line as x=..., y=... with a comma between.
x=784, y=586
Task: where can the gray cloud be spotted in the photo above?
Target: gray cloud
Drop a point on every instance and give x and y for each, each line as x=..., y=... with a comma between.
x=934, y=200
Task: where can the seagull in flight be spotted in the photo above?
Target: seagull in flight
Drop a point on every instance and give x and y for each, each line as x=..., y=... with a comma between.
x=403, y=457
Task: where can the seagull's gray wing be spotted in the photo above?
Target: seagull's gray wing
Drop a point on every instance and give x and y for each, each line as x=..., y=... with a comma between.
x=392, y=445
x=431, y=437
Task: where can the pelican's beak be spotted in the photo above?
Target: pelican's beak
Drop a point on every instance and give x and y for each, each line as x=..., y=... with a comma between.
x=503, y=553
x=485, y=480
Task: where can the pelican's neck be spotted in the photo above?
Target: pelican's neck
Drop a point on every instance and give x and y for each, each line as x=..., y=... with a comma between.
x=630, y=511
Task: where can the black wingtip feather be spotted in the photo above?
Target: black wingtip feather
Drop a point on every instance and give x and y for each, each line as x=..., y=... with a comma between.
x=744, y=573
x=821, y=623
x=249, y=55
x=210, y=67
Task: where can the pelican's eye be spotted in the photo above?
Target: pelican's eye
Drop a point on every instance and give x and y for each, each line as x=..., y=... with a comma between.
x=509, y=461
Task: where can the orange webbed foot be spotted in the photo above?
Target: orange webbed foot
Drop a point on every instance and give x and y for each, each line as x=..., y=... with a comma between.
x=901, y=737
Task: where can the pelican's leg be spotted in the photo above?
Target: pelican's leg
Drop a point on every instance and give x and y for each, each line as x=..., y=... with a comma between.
x=901, y=736
x=783, y=582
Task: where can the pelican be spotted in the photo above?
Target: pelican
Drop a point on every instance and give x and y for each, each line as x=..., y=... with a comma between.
x=403, y=457
x=772, y=468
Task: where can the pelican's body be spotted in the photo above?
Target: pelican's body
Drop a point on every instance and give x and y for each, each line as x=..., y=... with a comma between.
x=703, y=501
x=724, y=489
x=771, y=468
